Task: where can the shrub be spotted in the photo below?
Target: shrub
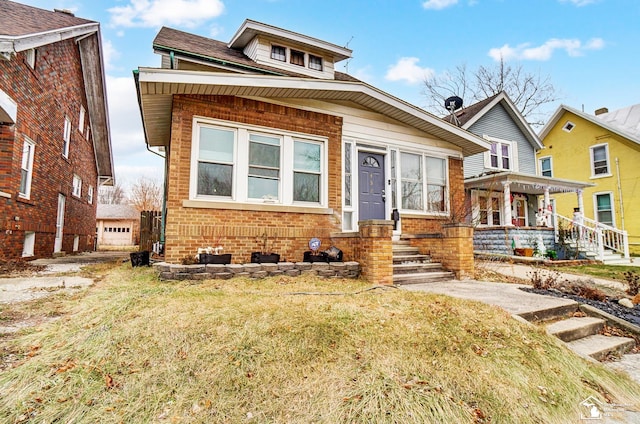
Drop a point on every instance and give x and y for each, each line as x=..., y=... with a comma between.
x=541, y=281
x=632, y=280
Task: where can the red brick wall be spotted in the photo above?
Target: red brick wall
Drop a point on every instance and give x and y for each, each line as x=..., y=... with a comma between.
x=45, y=95
x=240, y=231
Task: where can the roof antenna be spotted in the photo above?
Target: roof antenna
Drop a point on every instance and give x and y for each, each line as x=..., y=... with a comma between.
x=346, y=46
x=452, y=104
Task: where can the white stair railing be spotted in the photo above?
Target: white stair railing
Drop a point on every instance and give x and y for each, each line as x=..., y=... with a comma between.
x=593, y=236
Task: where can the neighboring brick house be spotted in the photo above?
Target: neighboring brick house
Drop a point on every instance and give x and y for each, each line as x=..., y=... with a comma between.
x=263, y=135
x=117, y=225
x=54, y=135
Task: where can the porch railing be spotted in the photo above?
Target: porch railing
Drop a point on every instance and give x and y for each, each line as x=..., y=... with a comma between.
x=592, y=236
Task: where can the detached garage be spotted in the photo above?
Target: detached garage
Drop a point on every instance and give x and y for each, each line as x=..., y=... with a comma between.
x=117, y=225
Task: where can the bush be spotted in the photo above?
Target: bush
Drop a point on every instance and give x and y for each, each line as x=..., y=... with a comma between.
x=632, y=280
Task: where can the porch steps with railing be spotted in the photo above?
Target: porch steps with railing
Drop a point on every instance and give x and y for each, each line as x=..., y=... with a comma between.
x=410, y=267
x=581, y=334
x=592, y=239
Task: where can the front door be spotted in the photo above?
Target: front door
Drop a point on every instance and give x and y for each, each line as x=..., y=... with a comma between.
x=371, y=186
x=57, y=246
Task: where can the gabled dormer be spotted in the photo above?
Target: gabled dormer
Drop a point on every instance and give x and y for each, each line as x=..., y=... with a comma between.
x=287, y=50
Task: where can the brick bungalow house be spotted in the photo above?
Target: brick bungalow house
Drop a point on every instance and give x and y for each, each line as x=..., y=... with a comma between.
x=263, y=136
x=54, y=134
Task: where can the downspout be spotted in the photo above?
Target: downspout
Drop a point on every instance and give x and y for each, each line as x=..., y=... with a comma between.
x=620, y=194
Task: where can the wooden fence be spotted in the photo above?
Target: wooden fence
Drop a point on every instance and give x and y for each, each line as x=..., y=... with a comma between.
x=150, y=229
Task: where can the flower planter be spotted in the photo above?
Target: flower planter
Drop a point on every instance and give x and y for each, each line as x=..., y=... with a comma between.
x=523, y=251
x=261, y=258
x=309, y=256
x=206, y=258
x=139, y=258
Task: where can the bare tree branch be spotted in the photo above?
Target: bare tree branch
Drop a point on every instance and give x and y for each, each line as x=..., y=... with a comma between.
x=146, y=195
x=112, y=195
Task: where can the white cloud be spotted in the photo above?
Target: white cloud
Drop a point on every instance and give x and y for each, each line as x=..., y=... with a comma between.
x=155, y=13
x=579, y=3
x=130, y=155
x=407, y=69
x=438, y=4
x=573, y=47
x=109, y=53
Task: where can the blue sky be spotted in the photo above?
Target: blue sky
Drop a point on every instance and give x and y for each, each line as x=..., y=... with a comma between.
x=590, y=49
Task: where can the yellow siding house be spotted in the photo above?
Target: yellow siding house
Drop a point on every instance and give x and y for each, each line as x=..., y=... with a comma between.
x=603, y=149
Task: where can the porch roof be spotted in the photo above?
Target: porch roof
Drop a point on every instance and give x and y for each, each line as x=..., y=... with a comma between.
x=524, y=183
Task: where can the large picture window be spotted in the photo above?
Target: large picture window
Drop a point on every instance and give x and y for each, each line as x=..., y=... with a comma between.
x=423, y=182
x=215, y=161
x=256, y=165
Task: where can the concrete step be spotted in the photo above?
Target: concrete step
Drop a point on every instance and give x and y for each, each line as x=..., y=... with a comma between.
x=620, y=261
x=411, y=259
x=575, y=328
x=412, y=268
x=599, y=347
x=423, y=277
x=551, y=313
x=401, y=243
x=405, y=250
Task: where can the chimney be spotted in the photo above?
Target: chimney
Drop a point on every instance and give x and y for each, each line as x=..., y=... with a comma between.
x=601, y=111
x=65, y=11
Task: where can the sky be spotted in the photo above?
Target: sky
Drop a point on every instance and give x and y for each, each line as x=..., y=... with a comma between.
x=589, y=49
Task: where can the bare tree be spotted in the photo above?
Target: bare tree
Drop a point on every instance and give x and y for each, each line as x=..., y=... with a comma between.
x=146, y=194
x=112, y=195
x=528, y=91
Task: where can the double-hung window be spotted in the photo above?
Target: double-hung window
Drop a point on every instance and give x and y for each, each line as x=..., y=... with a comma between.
x=545, y=166
x=279, y=53
x=77, y=186
x=264, y=167
x=500, y=155
x=66, y=137
x=297, y=57
x=436, y=184
x=411, y=181
x=315, y=62
x=600, y=160
x=26, y=168
x=604, y=208
x=81, y=120
x=307, y=166
x=215, y=161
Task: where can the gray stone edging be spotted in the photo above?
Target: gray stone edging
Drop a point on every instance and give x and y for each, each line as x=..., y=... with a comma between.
x=168, y=271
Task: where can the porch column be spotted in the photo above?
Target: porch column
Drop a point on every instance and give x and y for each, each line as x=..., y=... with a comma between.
x=546, y=209
x=546, y=199
x=580, y=202
x=506, y=190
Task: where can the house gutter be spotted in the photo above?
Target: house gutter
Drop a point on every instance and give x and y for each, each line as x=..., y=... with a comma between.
x=620, y=193
x=136, y=78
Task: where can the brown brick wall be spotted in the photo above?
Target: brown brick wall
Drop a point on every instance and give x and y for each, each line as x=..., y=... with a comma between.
x=240, y=231
x=45, y=95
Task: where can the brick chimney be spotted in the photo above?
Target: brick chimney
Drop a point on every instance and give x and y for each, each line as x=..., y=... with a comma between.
x=65, y=11
x=601, y=111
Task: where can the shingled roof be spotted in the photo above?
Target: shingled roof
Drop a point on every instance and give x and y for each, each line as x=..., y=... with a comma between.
x=169, y=39
x=18, y=19
x=464, y=115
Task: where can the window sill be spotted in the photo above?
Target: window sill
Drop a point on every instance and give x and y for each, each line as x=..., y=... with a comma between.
x=415, y=214
x=5, y=195
x=595, y=177
x=205, y=204
x=25, y=200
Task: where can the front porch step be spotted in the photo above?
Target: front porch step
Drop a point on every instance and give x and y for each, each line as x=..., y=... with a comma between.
x=599, y=347
x=418, y=267
x=423, y=277
x=411, y=259
x=404, y=250
x=575, y=328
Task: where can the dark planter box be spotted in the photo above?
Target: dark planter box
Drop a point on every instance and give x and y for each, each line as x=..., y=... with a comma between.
x=259, y=258
x=318, y=257
x=140, y=258
x=205, y=258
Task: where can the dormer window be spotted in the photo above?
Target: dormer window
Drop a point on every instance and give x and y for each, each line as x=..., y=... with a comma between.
x=279, y=53
x=315, y=62
x=297, y=58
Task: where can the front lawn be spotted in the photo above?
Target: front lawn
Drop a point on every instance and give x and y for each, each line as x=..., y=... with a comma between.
x=289, y=350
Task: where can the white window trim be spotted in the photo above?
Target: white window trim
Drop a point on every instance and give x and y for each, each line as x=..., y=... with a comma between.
x=77, y=186
x=90, y=195
x=475, y=214
x=66, y=137
x=540, y=159
x=81, y=120
x=513, y=154
x=566, y=124
x=239, y=190
x=29, y=168
x=591, y=161
x=613, y=206
x=424, y=211
x=29, y=244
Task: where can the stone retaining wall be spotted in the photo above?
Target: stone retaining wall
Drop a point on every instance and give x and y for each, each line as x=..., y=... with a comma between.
x=499, y=239
x=169, y=271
